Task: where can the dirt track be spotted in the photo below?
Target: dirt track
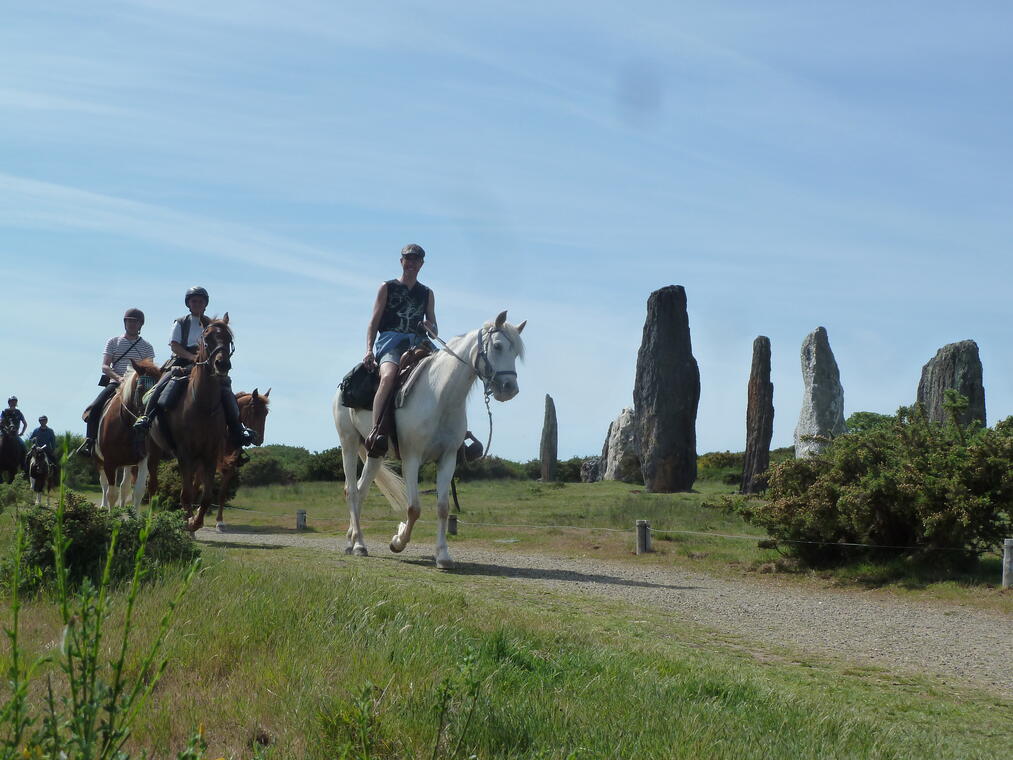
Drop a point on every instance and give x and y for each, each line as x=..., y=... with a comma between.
x=958, y=645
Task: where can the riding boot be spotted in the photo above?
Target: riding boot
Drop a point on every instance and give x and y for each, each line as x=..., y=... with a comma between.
x=87, y=449
x=143, y=423
x=239, y=434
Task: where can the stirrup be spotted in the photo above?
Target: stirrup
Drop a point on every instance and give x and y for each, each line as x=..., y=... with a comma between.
x=142, y=423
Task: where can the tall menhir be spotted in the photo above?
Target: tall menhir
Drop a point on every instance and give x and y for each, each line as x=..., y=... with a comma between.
x=759, y=419
x=666, y=394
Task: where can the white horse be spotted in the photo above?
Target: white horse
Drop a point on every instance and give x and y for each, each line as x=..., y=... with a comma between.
x=430, y=428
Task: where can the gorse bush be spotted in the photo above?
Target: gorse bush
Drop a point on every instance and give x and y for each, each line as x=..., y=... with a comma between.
x=88, y=532
x=910, y=483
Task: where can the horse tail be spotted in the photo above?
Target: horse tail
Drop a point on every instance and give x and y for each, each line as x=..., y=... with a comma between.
x=391, y=485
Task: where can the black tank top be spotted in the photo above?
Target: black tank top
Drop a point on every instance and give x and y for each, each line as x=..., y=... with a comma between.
x=406, y=307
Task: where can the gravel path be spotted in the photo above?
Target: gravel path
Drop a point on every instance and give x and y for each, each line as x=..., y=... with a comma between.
x=962, y=646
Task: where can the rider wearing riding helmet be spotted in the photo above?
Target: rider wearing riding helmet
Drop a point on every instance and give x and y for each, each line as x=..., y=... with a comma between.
x=119, y=350
x=184, y=344
x=402, y=306
x=43, y=435
x=12, y=416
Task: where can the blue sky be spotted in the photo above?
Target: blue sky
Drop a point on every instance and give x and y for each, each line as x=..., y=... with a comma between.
x=791, y=164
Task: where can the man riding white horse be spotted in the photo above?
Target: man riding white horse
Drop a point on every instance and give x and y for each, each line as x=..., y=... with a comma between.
x=119, y=350
x=186, y=335
x=401, y=307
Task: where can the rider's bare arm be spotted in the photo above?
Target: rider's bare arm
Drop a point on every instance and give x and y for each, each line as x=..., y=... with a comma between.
x=374, y=324
x=430, y=321
x=107, y=368
x=178, y=349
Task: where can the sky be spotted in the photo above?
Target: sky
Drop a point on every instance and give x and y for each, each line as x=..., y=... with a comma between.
x=791, y=164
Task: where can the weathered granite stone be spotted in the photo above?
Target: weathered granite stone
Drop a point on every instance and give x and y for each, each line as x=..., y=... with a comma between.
x=590, y=470
x=759, y=418
x=666, y=394
x=621, y=460
x=822, y=415
x=548, y=449
x=956, y=366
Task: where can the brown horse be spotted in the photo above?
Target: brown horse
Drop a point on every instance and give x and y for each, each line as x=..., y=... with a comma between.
x=12, y=452
x=253, y=414
x=197, y=423
x=115, y=452
x=43, y=475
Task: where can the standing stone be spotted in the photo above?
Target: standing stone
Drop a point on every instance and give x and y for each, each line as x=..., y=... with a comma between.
x=956, y=366
x=590, y=470
x=621, y=460
x=666, y=394
x=822, y=415
x=759, y=418
x=548, y=448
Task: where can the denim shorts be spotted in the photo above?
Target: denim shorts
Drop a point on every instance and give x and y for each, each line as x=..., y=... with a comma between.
x=390, y=345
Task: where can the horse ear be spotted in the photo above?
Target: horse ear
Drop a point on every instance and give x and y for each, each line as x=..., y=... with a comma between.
x=268, y=393
x=501, y=319
x=254, y=394
x=135, y=365
x=520, y=327
x=225, y=319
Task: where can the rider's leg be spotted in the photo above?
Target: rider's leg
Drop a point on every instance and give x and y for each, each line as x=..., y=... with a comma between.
x=94, y=415
x=239, y=434
x=376, y=443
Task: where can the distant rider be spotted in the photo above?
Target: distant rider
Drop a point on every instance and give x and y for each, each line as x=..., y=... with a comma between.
x=184, y=344
x=120, y=349
x=44, y=436
x=12, y=417
x=401, y=306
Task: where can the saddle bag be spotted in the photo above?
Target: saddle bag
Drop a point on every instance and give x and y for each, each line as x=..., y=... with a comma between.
x=358, y=388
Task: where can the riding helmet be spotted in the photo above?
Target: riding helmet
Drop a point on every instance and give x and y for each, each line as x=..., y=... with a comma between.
x=12, y=398
x=196, y=290
x=414, y=249
x=134, y=314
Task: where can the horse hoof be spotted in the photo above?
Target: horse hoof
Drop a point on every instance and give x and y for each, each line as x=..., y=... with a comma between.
x=445, y=564
x=348, y=550
x=396, y=546
x=360, y=551
x=221, y=527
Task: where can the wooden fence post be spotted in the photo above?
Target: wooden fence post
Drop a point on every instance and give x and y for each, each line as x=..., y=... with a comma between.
x=300, y=519
x=1007, y=563
x=643, y=536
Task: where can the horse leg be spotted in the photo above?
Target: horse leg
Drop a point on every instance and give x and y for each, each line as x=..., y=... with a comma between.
x=186, y=477
x=124, y=485
x=356, y=496
x=444, y=474
x=206, y=475
x=106, y=478
x=141, y=482
x=227, y=473
x=410, y=473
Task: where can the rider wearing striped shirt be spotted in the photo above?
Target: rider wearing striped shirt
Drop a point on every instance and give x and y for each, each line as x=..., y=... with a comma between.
x=120, y=349
x=186, y=334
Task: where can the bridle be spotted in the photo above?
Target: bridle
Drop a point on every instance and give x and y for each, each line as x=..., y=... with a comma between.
x=489, y=377
x=230, y=344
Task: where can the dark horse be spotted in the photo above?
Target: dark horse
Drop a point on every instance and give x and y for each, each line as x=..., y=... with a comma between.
x=12, y=452
x=43, y=475
x=197, y=423
x=253, y=414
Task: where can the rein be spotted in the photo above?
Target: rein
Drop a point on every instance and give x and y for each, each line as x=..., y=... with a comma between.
x=487, y=379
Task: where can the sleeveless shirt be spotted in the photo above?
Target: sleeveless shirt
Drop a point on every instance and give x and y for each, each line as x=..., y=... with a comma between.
x=406, y=307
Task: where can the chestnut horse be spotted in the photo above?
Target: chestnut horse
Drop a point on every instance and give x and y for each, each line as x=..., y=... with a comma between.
x=115, y=453
x=12, y=452
x=197, y=423
x=43, y=475
x=253, y=414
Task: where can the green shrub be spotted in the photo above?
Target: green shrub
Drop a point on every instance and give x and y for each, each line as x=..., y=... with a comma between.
x=325, y=465
x=912, y=483
x=267, y=470
x=170, y=485
x=78, y=472
x=88, y=530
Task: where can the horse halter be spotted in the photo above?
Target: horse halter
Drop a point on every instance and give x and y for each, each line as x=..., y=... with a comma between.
x=230, y=344
x=492, y=375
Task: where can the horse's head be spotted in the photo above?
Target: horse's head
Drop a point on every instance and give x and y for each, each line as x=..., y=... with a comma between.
x=500, y=346
x=253, y=412
x=38, y=462
x=135, y=384
x=217, y=346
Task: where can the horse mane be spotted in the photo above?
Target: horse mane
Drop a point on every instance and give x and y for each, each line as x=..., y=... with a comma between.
x=508, y=329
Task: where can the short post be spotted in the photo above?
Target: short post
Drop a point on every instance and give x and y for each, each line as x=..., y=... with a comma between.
x=643, y=536
x=452, y=525
x=1007, y=563
x=300, y=519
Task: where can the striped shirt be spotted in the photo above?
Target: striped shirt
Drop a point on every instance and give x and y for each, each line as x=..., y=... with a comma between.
x=118, y=344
